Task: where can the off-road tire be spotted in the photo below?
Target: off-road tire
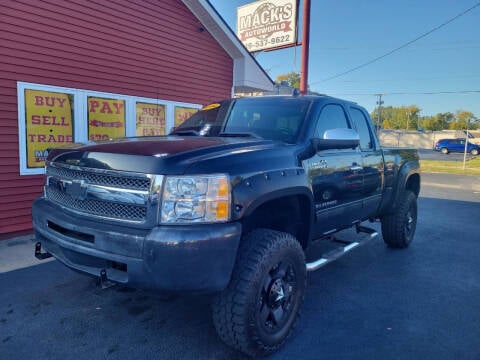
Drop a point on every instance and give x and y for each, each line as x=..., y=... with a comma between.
x=269, y=274
x=399, y=227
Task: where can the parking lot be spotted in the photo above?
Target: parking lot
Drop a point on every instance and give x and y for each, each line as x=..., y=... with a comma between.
x=375, y=303
x=427, y=154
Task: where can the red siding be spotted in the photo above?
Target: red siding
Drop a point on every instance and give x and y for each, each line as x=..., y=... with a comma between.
x=147, y=48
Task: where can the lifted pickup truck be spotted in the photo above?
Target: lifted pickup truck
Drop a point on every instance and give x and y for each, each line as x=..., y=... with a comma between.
x=232, y=202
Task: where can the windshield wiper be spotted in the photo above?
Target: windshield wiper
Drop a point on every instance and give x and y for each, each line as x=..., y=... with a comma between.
x=239, y=134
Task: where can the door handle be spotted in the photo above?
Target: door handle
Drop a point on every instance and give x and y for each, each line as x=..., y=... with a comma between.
x=356, y=167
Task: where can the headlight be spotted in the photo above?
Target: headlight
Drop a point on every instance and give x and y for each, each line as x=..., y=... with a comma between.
x=198, y=199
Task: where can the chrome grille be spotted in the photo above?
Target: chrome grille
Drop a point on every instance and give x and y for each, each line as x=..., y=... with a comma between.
x=99, y=208
x=108, y=194
x=124, y=182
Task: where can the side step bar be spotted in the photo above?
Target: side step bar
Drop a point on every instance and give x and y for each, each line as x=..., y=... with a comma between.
x=340, y=251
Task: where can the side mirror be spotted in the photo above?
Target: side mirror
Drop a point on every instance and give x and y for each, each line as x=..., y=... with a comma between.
x=337, y=139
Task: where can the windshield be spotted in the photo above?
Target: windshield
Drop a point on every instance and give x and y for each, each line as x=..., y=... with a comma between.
x=207, y=122
x=267, y=118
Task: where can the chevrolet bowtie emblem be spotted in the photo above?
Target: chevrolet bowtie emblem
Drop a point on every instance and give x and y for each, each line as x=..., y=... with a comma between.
x=77, y=189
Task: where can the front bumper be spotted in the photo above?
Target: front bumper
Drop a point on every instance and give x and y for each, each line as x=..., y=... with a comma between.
x=166, y=258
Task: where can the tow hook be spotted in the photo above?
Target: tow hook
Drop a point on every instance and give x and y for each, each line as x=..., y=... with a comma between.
x=38, y=252
x=103, y=280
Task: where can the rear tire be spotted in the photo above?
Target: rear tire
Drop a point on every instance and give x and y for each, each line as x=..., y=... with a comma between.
x=444, y=150
x=399, y=227
x=258, y=310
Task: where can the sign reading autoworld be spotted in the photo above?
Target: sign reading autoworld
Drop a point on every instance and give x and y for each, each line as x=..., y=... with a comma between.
x=267, y=24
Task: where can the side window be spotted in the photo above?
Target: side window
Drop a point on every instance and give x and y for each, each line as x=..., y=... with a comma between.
x=363, y=129
x=331, y=117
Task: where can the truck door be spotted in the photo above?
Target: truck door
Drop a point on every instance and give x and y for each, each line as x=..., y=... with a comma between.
x=372, y=162
x=335, y=176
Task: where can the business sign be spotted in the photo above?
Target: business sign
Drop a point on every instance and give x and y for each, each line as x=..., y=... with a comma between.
x=49, y=124
x=183, y=113
x=267, y=24
x=150, y=119
x=106, y=118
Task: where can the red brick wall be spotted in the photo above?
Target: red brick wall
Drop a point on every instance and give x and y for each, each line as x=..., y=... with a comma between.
x=146, y=48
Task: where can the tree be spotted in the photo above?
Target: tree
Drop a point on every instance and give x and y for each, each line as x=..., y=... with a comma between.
x=404, y=117
x=292, y=79
x=461, y=118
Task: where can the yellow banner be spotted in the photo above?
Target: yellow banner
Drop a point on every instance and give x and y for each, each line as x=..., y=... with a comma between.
x=183, y=113
x=150, y=119
x=49, y=124
x=106, y=118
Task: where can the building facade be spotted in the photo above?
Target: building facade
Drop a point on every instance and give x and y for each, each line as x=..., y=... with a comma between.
x=75, y=71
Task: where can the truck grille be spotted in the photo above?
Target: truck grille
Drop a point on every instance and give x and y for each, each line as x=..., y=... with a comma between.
x=112, y=195
x=99, y=208
x=126, y=182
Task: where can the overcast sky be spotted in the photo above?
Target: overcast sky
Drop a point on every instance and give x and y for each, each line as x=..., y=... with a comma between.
x=348, y=33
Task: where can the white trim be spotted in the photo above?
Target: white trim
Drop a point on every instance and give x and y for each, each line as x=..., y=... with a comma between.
x=80, y=124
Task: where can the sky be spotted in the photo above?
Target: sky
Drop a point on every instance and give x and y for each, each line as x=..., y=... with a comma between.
x=345, y=34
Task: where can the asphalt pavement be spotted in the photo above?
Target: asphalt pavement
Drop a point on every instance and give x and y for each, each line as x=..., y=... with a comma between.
x=374, y=303
x=427, y=154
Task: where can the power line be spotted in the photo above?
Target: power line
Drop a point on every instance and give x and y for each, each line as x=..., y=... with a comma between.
x=401, y=46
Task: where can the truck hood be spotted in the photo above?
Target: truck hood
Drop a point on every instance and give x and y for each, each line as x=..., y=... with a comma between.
x=164, y=155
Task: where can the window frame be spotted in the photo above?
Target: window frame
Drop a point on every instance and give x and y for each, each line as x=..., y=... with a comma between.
x=80, y=115
x=322, y=108
x=373, y=144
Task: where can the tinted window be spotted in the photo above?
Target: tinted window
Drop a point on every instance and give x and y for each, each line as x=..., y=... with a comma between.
x=273, y=119
x=363, y=129
x=331, y=117
x=205, y=122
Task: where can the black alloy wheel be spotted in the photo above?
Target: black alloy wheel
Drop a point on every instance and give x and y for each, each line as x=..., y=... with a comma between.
x=277, y=298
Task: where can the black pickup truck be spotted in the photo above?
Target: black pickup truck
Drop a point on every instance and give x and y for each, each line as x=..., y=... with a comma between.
x=233, y=202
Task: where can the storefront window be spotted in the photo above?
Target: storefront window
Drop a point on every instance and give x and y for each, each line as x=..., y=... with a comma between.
x=150, y=119
x=106, y=118
x=48, y=124
x=183, y=113
x=53, y=116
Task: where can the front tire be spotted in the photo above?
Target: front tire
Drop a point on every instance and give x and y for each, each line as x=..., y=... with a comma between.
x=399, y=227
x=444, y=151
x=258, y=310
x=474, y=152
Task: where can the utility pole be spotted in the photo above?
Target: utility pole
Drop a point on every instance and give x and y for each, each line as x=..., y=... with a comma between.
x=379, y=103
x=408, y=113
x=466, y=145
x=305, y=47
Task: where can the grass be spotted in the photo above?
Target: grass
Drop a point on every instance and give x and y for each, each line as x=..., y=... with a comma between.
x=472, y=166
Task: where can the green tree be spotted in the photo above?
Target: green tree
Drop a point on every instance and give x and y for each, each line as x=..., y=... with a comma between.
x=404, y=117
x=398, y=117
x=461, y=118
x=292, y=79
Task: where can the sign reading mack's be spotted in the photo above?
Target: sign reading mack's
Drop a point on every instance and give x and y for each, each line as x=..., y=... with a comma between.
x=267, y=24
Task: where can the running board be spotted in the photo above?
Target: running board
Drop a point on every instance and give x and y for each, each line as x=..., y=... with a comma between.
x=340, y=251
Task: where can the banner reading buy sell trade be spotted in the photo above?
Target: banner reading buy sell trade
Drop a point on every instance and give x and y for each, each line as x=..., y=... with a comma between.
x=49, y=121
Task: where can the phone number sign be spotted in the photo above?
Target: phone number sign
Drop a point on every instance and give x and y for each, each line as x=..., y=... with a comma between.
x=267, y=24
